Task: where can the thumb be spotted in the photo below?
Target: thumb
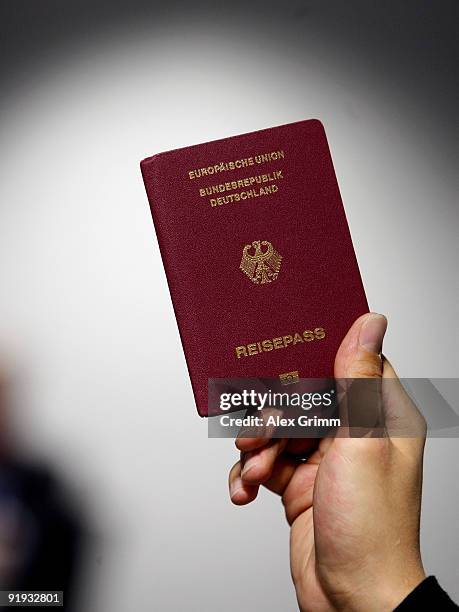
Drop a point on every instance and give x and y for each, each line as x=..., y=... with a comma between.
x=358, y=374
x=359, y=355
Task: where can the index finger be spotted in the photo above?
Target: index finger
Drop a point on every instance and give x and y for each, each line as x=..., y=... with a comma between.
x=256, y=436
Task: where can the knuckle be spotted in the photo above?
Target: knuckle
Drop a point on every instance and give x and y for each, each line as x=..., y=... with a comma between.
x=366, y=367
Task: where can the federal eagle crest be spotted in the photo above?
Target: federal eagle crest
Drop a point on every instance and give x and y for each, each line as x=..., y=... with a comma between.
x=260, y=261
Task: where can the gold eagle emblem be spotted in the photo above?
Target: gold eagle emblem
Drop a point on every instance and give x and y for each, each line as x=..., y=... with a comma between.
x=260, y=261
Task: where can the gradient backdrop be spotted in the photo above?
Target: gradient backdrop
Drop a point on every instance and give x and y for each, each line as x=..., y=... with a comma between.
x=86, y=323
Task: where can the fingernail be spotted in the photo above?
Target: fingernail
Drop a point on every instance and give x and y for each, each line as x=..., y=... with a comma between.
x=235, y=487
x=248, y=465
x=372, y=332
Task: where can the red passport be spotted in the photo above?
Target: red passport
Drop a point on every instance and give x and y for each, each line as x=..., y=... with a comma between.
x=257, y=252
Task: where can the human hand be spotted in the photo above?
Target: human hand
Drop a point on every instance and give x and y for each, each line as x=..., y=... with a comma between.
x=354, y=504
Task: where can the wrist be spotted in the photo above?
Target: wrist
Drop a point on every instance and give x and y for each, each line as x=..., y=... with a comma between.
x=387, y=593
x=393, y=593
x=382, y=590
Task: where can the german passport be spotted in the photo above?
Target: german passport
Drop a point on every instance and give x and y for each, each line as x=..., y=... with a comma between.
x=257, y=252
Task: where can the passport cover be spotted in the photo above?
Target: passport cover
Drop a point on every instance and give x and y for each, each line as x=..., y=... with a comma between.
x=257, y=252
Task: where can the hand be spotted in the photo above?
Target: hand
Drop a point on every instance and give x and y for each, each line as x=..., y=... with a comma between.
x=354, y=505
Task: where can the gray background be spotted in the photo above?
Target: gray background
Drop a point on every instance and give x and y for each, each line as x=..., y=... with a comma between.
x=86, y=323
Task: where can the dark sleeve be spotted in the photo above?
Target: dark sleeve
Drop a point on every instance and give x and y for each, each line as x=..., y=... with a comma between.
x=428, y=595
